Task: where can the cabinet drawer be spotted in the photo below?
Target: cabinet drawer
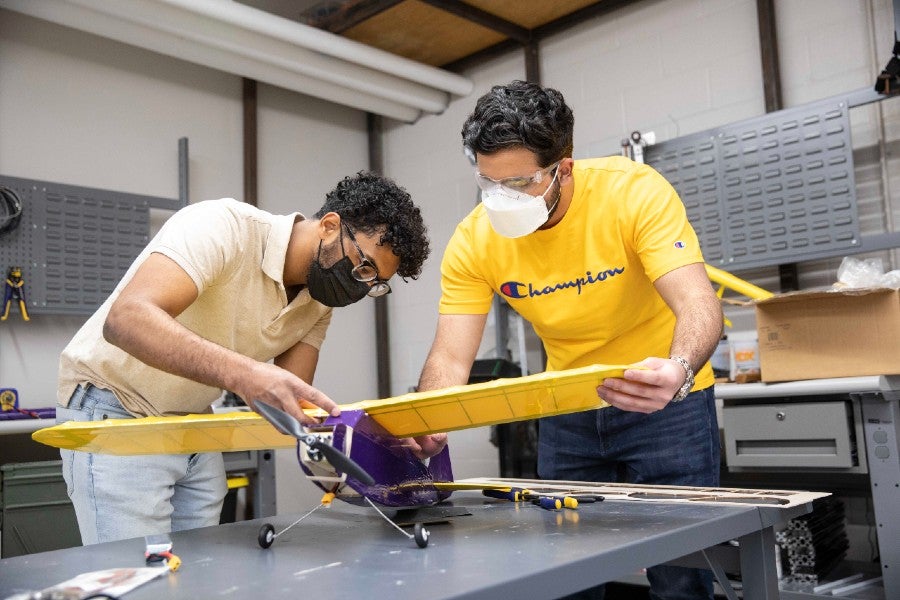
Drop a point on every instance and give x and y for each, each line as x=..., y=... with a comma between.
x=809, y=434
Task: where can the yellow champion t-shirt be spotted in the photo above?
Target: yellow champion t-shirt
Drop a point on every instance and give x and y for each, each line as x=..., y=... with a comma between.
x=586, y=284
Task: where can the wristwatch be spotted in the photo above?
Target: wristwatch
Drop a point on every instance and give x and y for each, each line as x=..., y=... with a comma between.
x=685, y=389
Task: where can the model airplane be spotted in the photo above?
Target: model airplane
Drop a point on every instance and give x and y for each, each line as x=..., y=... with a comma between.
x=356, y=457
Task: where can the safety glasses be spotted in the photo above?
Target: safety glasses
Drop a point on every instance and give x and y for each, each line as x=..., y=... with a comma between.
x=366, y=271
x=517, y=184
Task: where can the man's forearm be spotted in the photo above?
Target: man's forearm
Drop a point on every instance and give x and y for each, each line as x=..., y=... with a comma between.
x=438, y=374
x=697, y=333
x=155, y=338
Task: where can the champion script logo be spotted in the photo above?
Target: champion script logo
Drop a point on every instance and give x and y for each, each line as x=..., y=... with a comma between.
x=517, y=289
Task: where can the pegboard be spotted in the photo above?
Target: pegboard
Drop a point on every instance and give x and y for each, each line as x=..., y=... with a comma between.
x=770, y=190
x=74, y=243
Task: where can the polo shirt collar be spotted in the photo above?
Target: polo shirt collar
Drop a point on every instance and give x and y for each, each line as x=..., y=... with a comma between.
x=275, y=252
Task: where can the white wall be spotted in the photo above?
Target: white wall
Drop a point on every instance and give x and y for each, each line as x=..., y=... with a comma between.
x=83, y=110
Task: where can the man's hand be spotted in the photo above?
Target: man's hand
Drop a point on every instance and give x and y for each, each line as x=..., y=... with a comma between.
x=425, y=446
x=282, y=389
x=644, y=390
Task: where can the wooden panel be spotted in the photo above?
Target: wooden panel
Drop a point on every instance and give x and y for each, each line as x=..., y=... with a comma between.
x=530, y=14
x=416, y=30
x=423, y=33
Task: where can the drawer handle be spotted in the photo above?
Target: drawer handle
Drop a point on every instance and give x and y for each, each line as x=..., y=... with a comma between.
x=780, y=415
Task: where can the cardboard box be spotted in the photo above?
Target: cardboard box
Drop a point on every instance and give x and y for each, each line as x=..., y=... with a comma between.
x=820, y=334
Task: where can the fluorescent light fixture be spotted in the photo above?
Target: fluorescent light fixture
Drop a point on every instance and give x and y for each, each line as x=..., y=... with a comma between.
x=245, y=41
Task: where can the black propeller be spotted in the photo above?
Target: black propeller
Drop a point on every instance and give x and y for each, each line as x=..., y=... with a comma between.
x=288, y=425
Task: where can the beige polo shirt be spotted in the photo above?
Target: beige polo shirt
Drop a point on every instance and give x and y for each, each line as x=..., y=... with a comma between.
x=235, y=255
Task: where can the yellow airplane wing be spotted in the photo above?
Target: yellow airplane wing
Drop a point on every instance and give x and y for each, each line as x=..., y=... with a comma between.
x=492, y=402
x=418, y=413
x=186, y=434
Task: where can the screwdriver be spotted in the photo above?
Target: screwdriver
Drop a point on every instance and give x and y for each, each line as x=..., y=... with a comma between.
x=588, y=498
x=549, y=503
x=567, y=500
x=511, y=494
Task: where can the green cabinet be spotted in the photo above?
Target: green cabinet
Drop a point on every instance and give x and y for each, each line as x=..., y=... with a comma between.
x=36, y=514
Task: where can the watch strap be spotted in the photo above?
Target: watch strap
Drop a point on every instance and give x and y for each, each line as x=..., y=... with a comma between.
x=685, y=389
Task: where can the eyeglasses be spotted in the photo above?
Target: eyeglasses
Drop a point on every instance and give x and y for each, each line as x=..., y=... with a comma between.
x=366, y=271
x=515, y=183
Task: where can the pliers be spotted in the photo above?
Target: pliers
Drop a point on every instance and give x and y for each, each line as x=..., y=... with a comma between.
x=15, y=290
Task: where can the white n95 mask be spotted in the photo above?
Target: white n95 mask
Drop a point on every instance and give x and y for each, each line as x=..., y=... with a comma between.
x=514, y=214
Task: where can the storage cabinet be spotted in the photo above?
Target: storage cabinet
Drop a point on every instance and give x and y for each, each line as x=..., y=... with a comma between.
x=37, y=514
x=803, y=434
x=827, y=429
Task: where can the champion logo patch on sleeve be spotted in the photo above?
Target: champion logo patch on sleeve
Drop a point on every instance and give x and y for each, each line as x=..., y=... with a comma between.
x=679, y=244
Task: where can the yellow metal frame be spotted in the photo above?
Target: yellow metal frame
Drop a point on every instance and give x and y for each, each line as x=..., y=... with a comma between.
x=727, y=280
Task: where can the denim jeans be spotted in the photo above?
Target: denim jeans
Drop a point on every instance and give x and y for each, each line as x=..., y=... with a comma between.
x=118, y=497
x=678, y=445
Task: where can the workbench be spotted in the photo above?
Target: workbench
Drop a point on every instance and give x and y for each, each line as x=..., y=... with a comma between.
x=827, y=427
x=501, y=550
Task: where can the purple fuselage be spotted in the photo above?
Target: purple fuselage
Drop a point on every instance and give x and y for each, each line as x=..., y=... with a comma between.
x=401, y=479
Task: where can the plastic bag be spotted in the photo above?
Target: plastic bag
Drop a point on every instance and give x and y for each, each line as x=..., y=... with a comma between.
x=856, y=273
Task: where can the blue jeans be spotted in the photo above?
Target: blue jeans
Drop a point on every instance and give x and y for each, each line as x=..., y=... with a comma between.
x=678, y=445
x=119, y=497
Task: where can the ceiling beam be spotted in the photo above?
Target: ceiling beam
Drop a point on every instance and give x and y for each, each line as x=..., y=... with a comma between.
x=591, y=11
x=499, y=49
x=483, y=18
x=597, y=9
x=337, y=16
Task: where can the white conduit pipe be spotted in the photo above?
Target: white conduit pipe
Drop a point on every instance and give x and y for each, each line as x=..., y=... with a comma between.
x=220, y=44
x=238, y=38
x=328, y=43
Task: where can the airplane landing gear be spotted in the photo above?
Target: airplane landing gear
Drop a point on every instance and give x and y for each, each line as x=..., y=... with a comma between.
x=266, y=535
x=421, y=535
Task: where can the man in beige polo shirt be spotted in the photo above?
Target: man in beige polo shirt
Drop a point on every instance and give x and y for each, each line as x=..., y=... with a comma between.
x=220, y=291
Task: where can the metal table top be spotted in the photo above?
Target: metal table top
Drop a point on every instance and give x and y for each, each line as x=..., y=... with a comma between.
x=515, y=550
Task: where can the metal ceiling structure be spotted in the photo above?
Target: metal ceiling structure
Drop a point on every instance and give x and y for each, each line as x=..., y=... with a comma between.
x=440, y=33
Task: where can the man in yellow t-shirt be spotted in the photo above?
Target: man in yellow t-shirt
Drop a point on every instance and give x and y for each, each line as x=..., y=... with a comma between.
x=599, y=256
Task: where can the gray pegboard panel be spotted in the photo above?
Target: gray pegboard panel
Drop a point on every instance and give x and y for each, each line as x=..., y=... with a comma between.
x=74, y=243
x=770, y=190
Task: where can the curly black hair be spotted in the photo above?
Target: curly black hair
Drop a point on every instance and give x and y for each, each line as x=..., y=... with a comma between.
x=376, y=205
x=521, y=114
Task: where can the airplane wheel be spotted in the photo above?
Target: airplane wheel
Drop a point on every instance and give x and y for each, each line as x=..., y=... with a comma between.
x=266, y=535
x=421, y=535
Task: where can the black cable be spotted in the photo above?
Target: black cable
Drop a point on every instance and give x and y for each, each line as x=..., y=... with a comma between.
x=12, y=206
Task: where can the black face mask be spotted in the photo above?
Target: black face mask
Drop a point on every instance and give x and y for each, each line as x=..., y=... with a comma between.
x=335, y=286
